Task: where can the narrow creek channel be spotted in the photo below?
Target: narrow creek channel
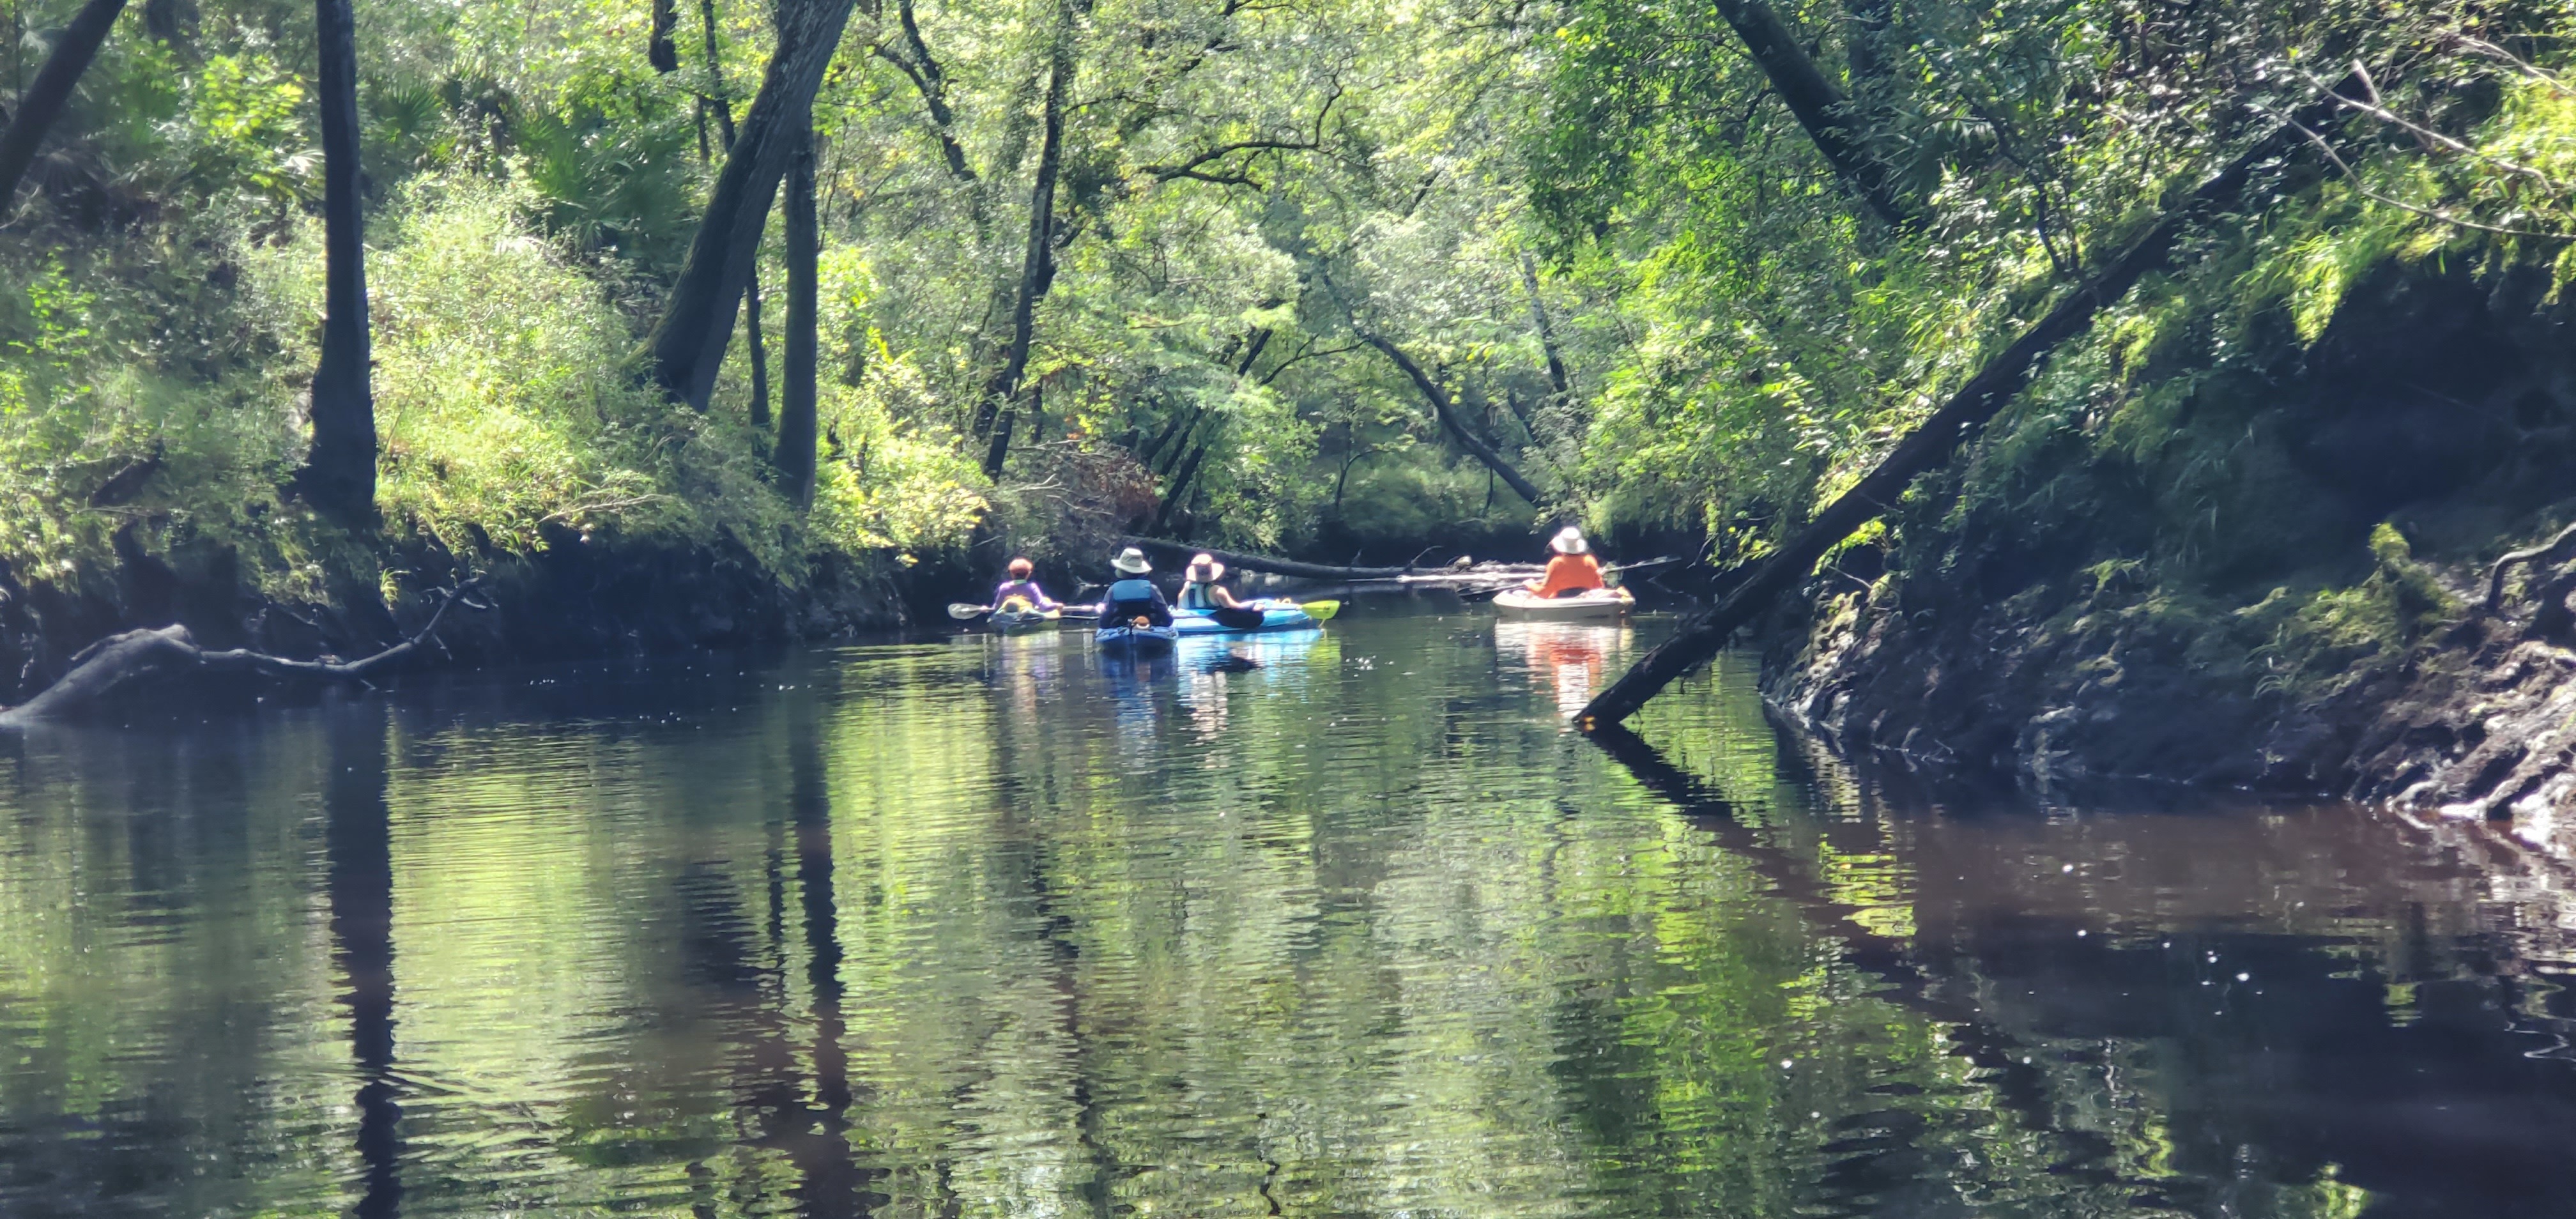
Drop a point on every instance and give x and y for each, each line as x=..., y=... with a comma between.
x=990, y=926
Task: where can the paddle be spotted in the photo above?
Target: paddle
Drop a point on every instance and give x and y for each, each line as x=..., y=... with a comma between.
x=963, y=612
x=1321, y=611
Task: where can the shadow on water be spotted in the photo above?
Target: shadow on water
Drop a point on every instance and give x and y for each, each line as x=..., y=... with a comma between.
x=1344, y=923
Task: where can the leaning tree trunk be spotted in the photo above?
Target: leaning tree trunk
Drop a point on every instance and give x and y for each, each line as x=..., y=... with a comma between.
x=1930, y=444
x=44, y=100
x=794, y=455
x=340, y=472
x=1820, y=106
x=687, y=345
x=1457, y=427
x=1037, y=265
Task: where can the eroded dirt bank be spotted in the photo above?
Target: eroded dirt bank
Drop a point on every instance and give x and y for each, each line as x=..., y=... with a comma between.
x=2267, y=571
x=577, y=598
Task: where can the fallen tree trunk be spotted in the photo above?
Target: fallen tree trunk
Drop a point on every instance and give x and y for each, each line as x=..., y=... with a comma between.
x=1276, y=567
x=1420, y=577
x=1930, y=445
x=120, y=661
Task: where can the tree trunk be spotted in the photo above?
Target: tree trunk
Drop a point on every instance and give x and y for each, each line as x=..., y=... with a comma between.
x=1457, y=428
x=1818, y=104
x=1282, y=567
x=1556, y=377
x=662, y=48
x=1930, y=445
x=794, y=455
x=1182, y=417
x=1037, y=265
x=340, y=471
x=172, y=22
x=721, y=99
x=1180, y=489
x=1865, y=24
x=44, y=100
x=759, y=341
x=688, y=343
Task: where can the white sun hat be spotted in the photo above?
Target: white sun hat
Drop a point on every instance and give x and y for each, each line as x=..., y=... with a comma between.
x=1132, y=561
x=1569, y=540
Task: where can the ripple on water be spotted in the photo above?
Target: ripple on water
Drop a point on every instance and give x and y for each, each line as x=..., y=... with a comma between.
x=1001, y=927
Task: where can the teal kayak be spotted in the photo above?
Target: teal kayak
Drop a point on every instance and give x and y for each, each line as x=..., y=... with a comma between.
x=1275, y=616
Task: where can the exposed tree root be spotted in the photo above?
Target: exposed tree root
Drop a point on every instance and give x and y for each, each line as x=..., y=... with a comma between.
x=2546, y=552
x=120, y=662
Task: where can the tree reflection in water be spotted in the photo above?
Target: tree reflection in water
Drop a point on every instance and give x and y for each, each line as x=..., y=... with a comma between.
x=999, y=928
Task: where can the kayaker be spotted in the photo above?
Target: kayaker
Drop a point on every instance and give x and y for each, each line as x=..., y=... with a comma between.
x=1023, y=588
x=1201, y=592
x=1571, y=571
x=1133, y=596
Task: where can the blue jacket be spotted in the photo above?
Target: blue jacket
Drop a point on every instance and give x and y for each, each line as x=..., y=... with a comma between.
x=1134, y=589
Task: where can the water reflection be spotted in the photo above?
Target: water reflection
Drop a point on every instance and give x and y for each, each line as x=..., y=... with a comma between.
x=357, y=834
x=1006, y=927
x=1564, y=659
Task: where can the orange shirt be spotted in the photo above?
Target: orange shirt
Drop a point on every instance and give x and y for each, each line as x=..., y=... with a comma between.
x=1569, y=573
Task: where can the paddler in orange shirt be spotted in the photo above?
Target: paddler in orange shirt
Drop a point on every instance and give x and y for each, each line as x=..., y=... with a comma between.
x=1571, y=571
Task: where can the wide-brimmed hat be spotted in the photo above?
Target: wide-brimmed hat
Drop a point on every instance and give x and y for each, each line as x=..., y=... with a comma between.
x=1132, y=561
x=1569, y=540
x=1208, y=564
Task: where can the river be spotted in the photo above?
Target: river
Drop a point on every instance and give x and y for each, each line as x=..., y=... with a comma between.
x=989, y=926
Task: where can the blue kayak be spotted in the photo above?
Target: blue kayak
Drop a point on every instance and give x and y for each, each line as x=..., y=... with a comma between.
x=1274, y=617
x=1137, y=638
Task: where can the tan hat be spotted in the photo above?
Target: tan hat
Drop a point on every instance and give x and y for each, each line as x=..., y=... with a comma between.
x=1132, y=561
x=1207, y=563
x=1569, y=540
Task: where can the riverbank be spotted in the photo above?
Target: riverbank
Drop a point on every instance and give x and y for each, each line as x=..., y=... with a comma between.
x=2268, y=571
x=575, y=596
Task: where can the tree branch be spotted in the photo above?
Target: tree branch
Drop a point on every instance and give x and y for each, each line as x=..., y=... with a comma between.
x=119, y=661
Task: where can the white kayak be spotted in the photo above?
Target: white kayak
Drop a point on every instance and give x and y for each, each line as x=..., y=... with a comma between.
x=1599, y=603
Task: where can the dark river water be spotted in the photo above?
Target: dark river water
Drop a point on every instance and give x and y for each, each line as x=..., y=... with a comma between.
x=987, y=927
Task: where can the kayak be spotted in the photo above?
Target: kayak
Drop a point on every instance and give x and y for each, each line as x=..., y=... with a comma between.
x=1275, y=616
x=1125, y=638
x=1012, y=621
x=1599, y=603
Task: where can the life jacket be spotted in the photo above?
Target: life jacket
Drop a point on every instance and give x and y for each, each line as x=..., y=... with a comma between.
x=1195, y=595
x=1134, y=589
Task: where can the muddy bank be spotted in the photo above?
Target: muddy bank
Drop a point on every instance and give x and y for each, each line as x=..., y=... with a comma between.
x=578, y=598
x=2265, y=573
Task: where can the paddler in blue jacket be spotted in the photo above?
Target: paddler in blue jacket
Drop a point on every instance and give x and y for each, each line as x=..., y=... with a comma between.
x=1133, y=596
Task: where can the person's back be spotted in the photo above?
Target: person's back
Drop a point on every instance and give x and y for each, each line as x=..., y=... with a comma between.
x=1022, y=586
x=1568, y=574
x=1571, y=570
x=1022, y=590
x=1133, y=596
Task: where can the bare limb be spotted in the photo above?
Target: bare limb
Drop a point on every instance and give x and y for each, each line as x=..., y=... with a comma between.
x=114, y=663
x=2354, y=179
x=2547, y=552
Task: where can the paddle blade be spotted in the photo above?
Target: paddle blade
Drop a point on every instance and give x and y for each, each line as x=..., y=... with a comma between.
x=1321, y=611
x=961, y=611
